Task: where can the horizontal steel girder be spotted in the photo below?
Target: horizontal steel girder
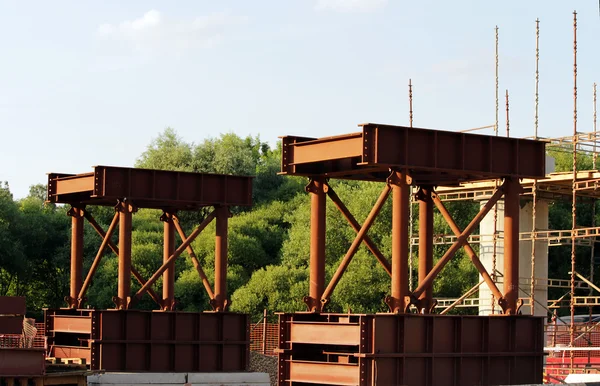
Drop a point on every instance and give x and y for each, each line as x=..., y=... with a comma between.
x=159, y=189
x=433, y=157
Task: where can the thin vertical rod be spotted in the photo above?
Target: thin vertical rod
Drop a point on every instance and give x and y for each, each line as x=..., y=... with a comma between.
x=124, y=289
x=507, y=116
x=574, y=192
x=595, y=154
x=410, y=102
x=264, y=337
x=316, y=188
x=511, y=245
x=534, y=187
x=77, y=221
x=425, y=244
x=221, y=259
x=495, y=229
x=400, y=241
x=411, y=209
x=497, y=91
x=168, y=250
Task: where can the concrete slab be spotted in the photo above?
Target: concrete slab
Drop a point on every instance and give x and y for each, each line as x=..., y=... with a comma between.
x=137, y=378
x=183, y=379
x=228, y=378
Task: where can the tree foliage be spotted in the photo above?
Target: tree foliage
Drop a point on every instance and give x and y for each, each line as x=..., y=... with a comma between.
x=269, y=245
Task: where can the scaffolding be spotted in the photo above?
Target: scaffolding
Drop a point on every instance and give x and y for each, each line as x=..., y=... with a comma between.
x=579, y=187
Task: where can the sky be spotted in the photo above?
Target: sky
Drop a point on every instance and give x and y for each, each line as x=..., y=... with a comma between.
x=92, y=83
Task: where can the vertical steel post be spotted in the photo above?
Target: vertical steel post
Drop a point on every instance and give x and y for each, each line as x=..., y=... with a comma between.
x=221, y=259
x=317, y=190
x=425, y=245
x=511, y=245
x=77, y=219
x=264, y=337
x=124, y=290
x=400, y=241
x=168, y=301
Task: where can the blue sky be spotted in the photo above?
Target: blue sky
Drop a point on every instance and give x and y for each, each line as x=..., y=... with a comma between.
x=91, y=83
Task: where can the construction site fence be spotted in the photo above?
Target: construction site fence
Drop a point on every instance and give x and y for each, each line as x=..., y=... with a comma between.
x=585, y=350
x=264, y=343
x=31, y=339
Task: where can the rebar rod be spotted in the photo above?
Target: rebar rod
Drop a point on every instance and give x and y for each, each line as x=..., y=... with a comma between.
x=574, y=192
x=534, y=187
x=494, y=236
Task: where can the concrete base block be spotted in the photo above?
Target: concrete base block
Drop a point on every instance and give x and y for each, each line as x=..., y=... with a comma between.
x=155, y=379
x=182, y=379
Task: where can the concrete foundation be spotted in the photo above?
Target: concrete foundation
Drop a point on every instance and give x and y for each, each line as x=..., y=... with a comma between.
x=541, y=257
x=187, y=379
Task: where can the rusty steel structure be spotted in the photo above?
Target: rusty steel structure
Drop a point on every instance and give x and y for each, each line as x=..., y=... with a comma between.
x=409, y=349
x=126, y=339
x=128, y=189
x=17, y=361
x=137, y=340
x=402, y=157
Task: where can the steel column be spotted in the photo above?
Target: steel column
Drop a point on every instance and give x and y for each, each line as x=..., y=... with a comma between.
x=77, y=221
x=168, y=300
x=400, y=184
x=124, y=289
x=317, y=190
x=511, y=246
x=425, y=245
x=220, y=300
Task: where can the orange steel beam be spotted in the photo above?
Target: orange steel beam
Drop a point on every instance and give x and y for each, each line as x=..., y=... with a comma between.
x=328, y=148
x=434, y=157
x=220, y=302
x=470, y=252
x=115, y=249
x=97, y=259
x=77, y=221
x=400, y=184
x=425, y=247
x=356, y=226
x=195, y=261
x=158, y=189
x=174, y=256
x=355, y=244
x=123, y=298
x=511, y=246
x=462, y=239
x=318, y=206
x=168, y=299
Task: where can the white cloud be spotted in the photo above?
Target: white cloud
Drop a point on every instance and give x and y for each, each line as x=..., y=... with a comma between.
x=350, y=5
x=155, y=33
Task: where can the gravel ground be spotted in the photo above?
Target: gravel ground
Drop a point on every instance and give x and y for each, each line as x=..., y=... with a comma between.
x=264, y=364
